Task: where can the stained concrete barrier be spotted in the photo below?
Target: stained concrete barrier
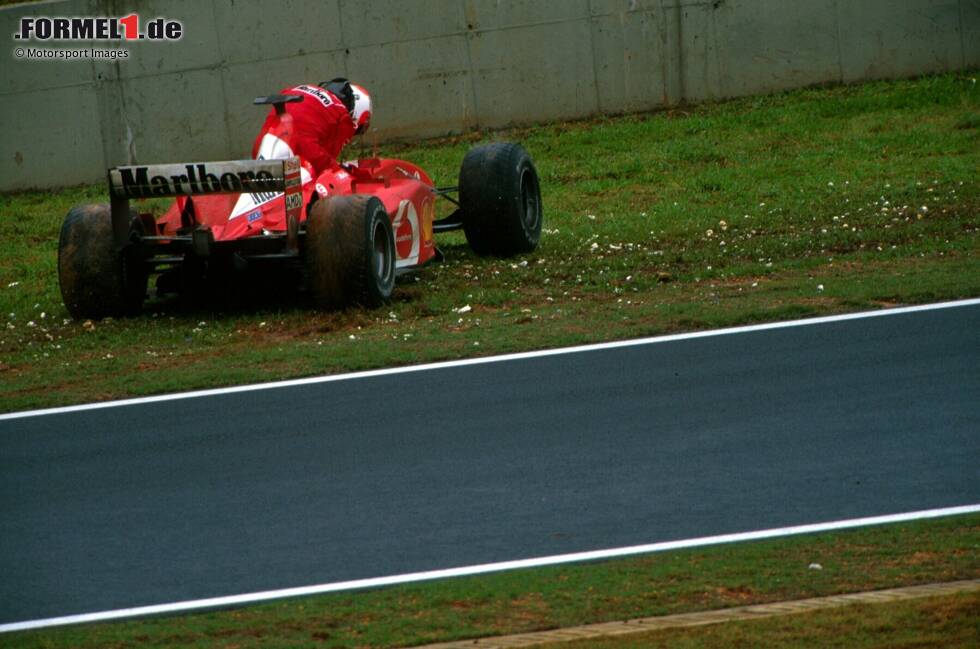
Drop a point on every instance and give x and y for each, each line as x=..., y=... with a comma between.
x=437, y=67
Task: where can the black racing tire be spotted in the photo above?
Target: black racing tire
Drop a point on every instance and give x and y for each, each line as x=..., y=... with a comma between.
x=500, y=200
x=350, y=252
x=96, y=279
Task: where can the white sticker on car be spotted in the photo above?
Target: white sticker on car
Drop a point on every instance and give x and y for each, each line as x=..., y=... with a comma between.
x=406, y=227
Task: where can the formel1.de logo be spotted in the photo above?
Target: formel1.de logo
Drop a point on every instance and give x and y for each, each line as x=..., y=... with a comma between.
x=91, y=28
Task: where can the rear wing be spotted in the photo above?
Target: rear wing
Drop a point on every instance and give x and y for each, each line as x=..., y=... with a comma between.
x=198, y=178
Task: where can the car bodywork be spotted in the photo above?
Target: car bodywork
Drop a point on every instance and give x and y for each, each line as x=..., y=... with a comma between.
x=350, y=229
x=209, y=216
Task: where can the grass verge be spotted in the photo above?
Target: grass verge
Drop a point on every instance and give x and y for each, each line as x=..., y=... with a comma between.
x=528, y=600
x=805, y=203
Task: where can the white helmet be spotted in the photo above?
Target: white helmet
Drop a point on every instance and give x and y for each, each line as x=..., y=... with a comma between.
x=362, y=109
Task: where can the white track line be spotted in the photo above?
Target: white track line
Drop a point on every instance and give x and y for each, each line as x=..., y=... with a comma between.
x=252, y=598
x=492, y=359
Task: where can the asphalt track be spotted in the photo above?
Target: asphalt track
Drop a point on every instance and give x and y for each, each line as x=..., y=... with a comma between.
x=186, y=499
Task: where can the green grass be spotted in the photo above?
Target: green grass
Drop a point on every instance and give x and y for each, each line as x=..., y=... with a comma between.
x=560, y=596
x=948, y=622
x=806, y=203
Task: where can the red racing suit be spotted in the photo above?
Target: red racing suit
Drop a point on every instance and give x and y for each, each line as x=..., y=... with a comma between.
x=321, y=126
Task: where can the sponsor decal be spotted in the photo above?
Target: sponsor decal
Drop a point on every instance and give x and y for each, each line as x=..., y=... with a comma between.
x=406, y=227
x=248, y=202
x=319, y=94
x=135, y=182
x=264, y=197
x=294, y=201
x=254, y=216
x=321, y=190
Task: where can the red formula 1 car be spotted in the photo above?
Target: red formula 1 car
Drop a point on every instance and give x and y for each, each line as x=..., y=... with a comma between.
x=351, y=230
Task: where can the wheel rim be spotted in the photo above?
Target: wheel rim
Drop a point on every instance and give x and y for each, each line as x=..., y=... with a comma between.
x=382, y=252
x=530, y=201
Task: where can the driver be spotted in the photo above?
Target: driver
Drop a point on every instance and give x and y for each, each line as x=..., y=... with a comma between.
x=329, y=116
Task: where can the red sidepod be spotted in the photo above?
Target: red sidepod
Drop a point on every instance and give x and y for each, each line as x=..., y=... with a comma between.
x=406, y=192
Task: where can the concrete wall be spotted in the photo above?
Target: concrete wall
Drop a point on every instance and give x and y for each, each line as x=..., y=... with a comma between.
x=440, y=66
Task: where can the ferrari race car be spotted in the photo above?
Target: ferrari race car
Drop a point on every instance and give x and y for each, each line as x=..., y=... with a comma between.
x=350, y=231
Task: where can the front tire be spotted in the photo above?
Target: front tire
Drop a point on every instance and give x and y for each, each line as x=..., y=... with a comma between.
x=500, y=200
x=96, y=279
x=350, y=252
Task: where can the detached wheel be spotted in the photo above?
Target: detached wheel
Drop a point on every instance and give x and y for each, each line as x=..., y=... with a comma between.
x=500, y=200
x=96, y=279
x=350, y=252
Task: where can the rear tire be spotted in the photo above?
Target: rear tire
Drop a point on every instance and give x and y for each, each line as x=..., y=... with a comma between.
x=500, y=200
x=96, y=279
x=350, y=252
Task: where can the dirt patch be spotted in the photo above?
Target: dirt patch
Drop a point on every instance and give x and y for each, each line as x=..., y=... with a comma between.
x=530, y=611
x=946, y=609
x=739, y=594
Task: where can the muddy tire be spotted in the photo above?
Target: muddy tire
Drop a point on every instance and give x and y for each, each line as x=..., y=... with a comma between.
x=96, y=279
x=350, y=252
x=500, y=200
